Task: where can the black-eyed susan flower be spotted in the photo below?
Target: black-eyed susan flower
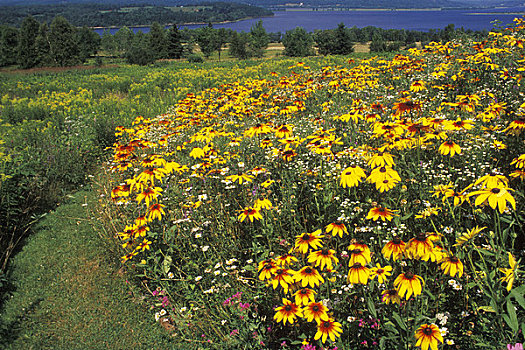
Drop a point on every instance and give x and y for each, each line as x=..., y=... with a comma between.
x=492, y=180
x=304, y=296
x=510, y=274
x=328, y=328
x=395, y=249
x=386, y=185
x=495, y=197
x=288, y=312
x=390, y=296
x=324, y=257
x=262, y=204
x=359, y=253
x=352, y=176
x=337, y=228
x=284, y=278
x=315, y=311
x=470, y=234
x=457, y=197
x=417, y=86
x=451, y=265
x=267, y=268
x=408, y=284
x=381, y=159
x=148, y=195
x=419, y=246
x=240, y=178
x=381, y=273
x=308, y=276
x=285, y=260
x=382, y=173
x=382, y=213
x=358, y=274
x=428, y=335
x=155, y=211
x=449, y=147
x=267, y=183
x=308, y=240
x=144, y=245
x=519, y=162
x=436, y=254
x=250, y=213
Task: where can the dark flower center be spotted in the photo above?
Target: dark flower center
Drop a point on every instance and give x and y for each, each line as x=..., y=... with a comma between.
x=380, y=271
x=288, y=307
x=308, y=270
x=409, y=275
x=382, y=169
x=315, y=308
x=268, y=267
x=326, y=324
x=279, y=272
x=356, y=266
x=396, y=240
x=453, y=259
x=495, y=190
x=428, y=331
x=306, y=237
x=303, y=291
x=422, y=237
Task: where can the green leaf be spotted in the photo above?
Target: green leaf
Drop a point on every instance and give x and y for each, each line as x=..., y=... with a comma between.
x=512, y=319
x=518, y=296
x=399, y=321
x=486, y=308
x=166, y=264
x=371, y=307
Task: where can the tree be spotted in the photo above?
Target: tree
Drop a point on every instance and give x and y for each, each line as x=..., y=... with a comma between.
x=27, y=56
x=43, y=50
x=88, y=43
x=343, y=44
x=298, y=43
x=324, y=40
x=108, y=43
x=174, y=45
x=222, y=37
x=377, y=44
x=62, y=42
x=8, y=45
x=259, y=39
x=157, y=41
x=239, y=45
x=123, y=39
x=139, y=51
x=207, y=40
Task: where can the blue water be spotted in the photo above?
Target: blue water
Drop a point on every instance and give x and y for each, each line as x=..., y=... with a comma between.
x=420, y=20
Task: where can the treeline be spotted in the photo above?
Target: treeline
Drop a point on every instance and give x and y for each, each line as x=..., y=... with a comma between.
x=37, y=44
x=107, y=15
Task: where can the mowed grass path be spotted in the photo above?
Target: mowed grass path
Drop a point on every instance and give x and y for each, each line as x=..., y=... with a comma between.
x=69, y=294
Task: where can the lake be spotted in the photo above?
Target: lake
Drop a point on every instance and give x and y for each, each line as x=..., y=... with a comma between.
x=421, y=20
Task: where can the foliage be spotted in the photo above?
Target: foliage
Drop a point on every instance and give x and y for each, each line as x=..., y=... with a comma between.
x=239, y=45
x=107, y=15
x=174, y=47
x=338, y=41
x=258, y=40
x=298, y=43
x=388, y=191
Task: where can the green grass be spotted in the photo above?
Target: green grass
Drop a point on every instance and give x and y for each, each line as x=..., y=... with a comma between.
x=69, y=294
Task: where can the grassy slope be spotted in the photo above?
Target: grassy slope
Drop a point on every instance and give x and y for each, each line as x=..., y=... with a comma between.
x=70, y=295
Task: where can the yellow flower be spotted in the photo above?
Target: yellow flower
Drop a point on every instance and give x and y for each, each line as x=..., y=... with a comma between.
x=155, y=212
x=315, y=311
x=428, y=335
x=337, y=228
x=407, y=284
x=328, y=328
x=417, y=86
x=495, y=196
x=287, y=312
x=510, y=274
x=468, y=236
x=381, y=272
x=358, y=274
x=251, y=213
x=323, y=257
x=283, y=277
x=267, y=268
x=449, y=147
x=308, y=276
x=382, y=213
x=452, y=265
x=390, y=296
x=351, y=176
x=304, y=296
x=308, y=240
x=395, y=249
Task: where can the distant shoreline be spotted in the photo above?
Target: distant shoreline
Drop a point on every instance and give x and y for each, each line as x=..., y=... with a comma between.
x=179, y=24
x=315, y=9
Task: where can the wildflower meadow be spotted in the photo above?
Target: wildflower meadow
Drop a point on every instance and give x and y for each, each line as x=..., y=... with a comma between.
x=374, y=203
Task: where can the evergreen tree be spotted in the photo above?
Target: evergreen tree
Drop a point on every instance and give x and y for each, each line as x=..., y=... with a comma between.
x=139, y=51
x=27, y=56
x=157, y=41
x=207, y=40
x=324, y=40
x=88, y=43
x=239, y=45
x=8, y=45
x=298, y=43
x=343, y=44
x=123, y=39
x=377, y=44
x=63, y=42
x=42, y=47
x=259, y=39
x=174, y=46
x=108, y=43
